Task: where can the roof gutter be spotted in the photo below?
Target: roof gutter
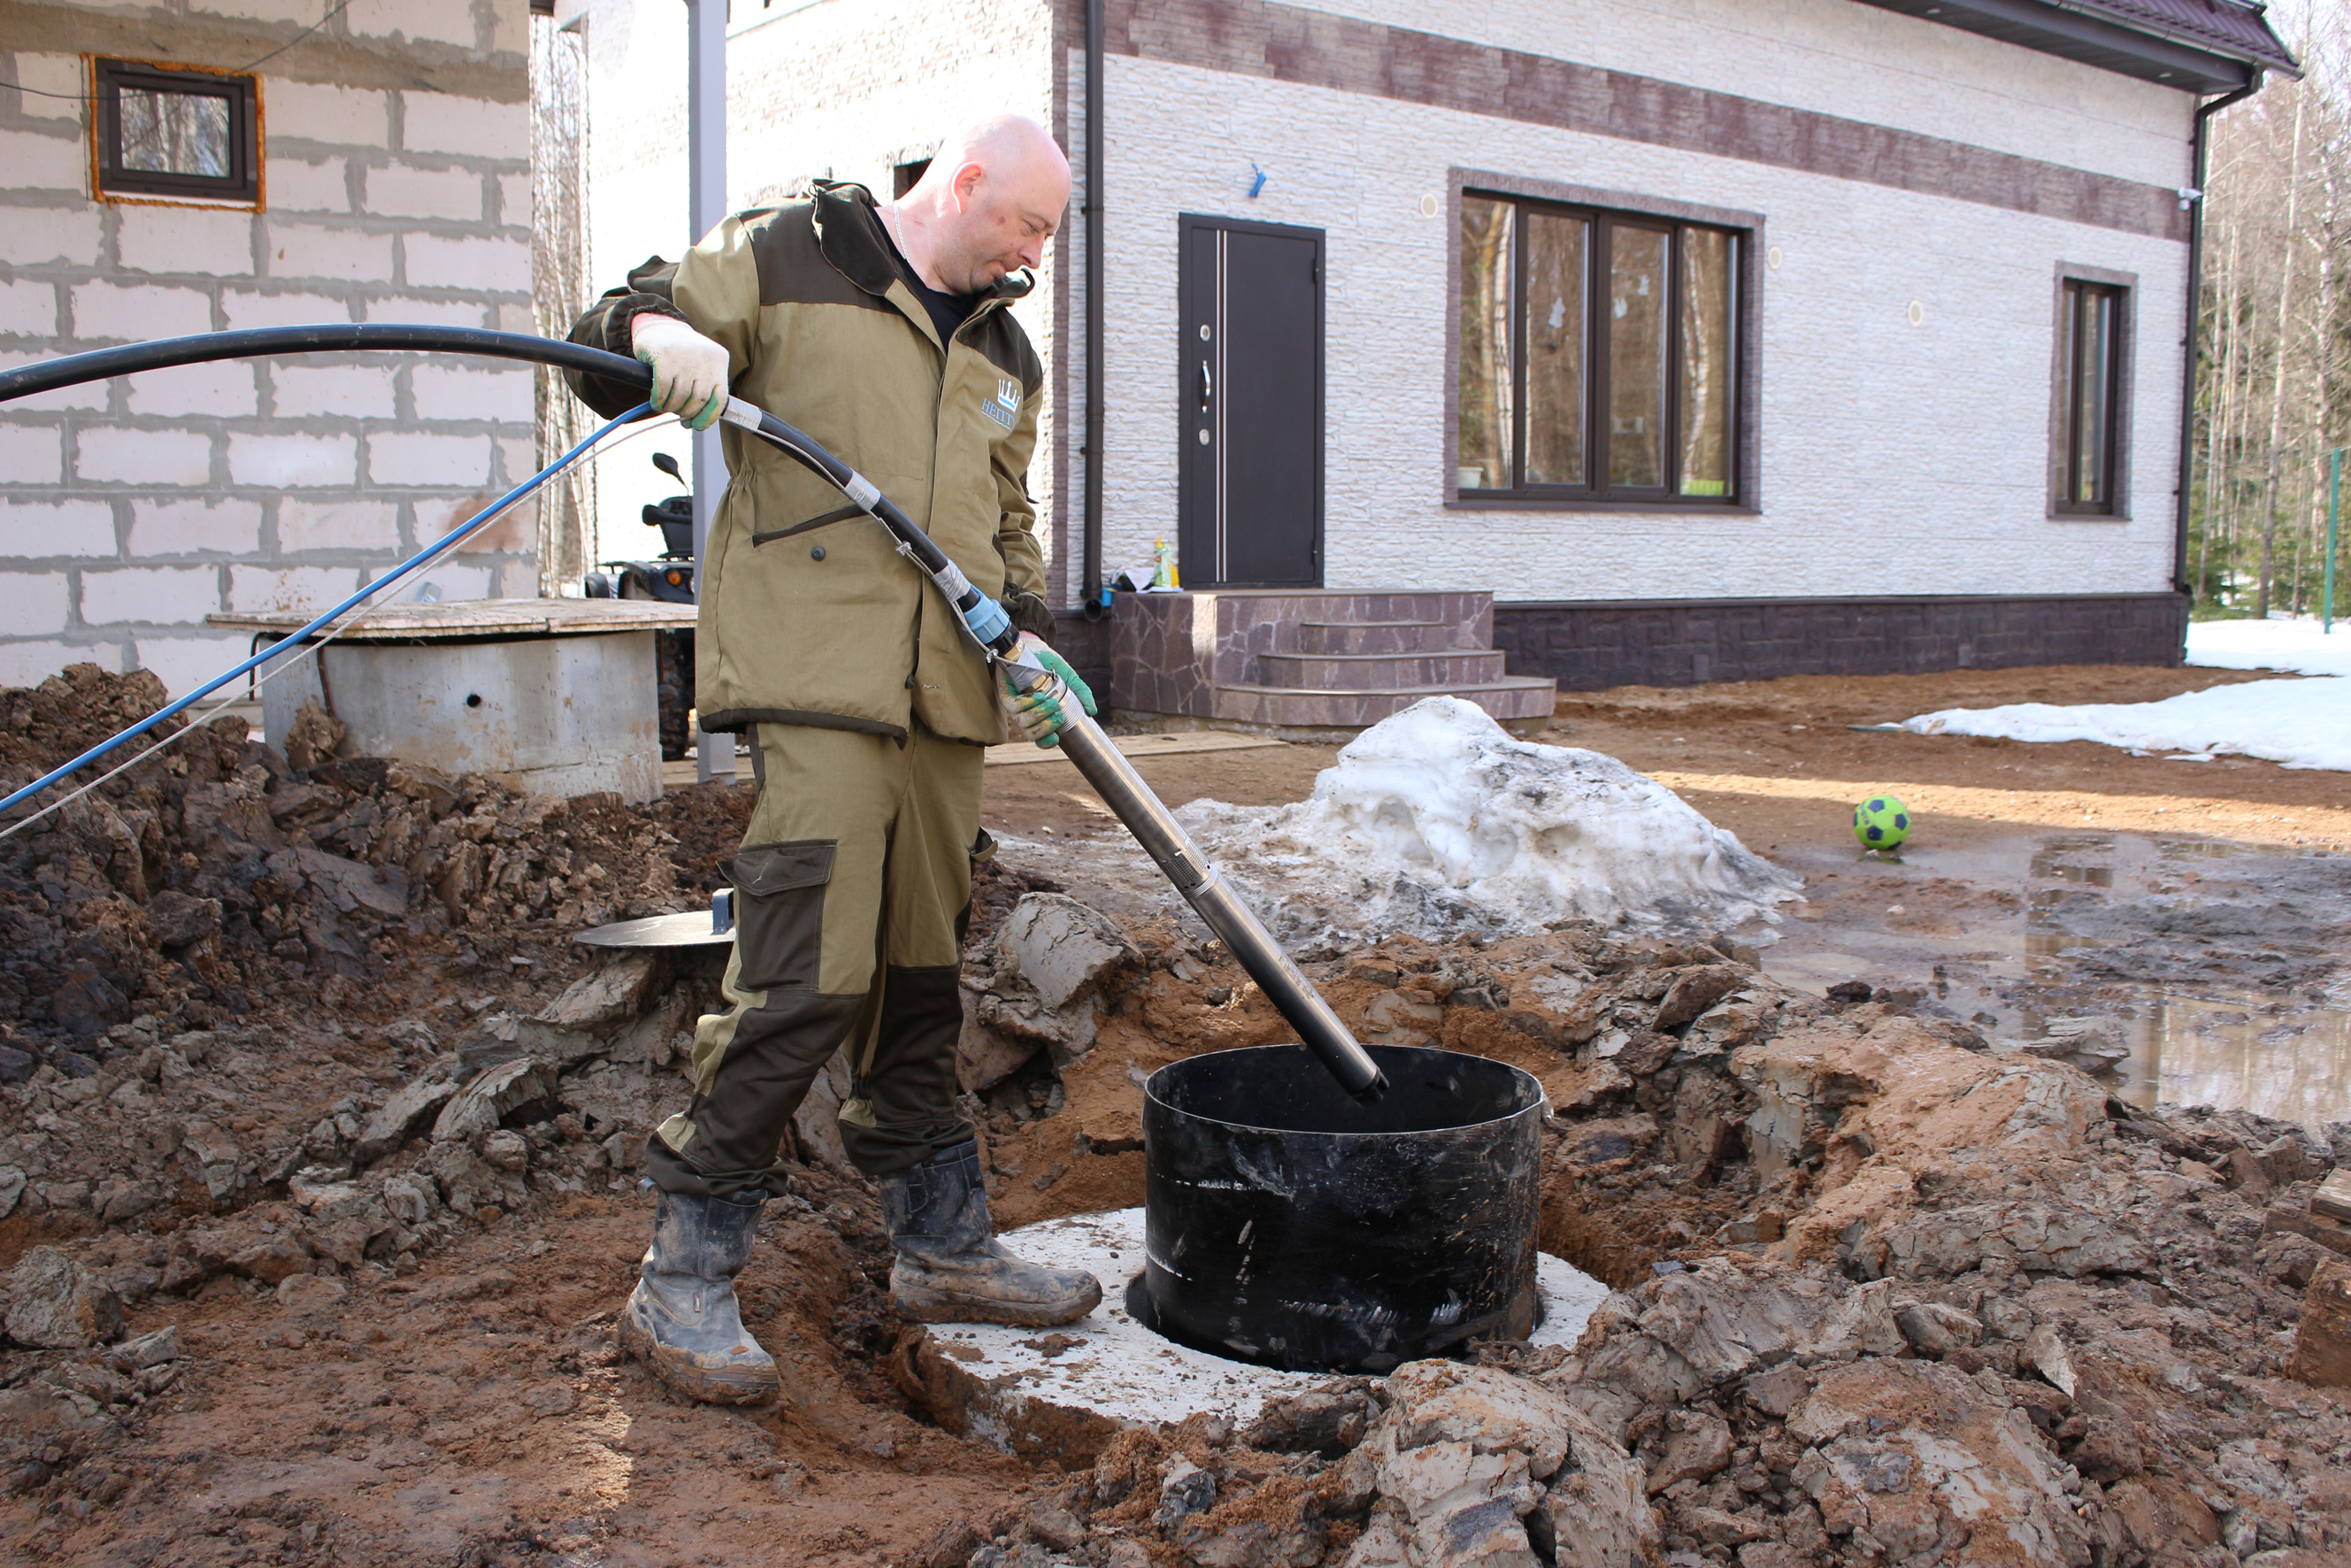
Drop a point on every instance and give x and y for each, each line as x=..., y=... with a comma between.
x=2198, y=142
x=2181, y=36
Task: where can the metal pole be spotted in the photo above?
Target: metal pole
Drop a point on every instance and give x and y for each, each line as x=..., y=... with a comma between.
x=2334, y=512
x=706, y=181
x=1092, y=587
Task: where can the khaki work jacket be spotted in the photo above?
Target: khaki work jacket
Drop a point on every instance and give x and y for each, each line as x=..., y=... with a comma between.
x=808, y=615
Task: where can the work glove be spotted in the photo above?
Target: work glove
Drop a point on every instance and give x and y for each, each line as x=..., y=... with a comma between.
x=689, y=370
x=1034, y=685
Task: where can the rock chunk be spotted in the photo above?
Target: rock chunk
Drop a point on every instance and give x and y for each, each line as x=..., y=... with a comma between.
x=1061, y=947
x=1318, y=1421
x=2322, y=1340
x=495, y=1094
x=404, y=1116
x=54, y=1303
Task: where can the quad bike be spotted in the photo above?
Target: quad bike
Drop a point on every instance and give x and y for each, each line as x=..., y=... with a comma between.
x=671, y=579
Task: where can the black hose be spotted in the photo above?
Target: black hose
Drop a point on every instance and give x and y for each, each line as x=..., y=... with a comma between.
x=341, y=337
x=345, y=337
x=1098, y=760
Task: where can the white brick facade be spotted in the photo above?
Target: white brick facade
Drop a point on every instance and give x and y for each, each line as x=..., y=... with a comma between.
x=1895, y=459
x=395, y=189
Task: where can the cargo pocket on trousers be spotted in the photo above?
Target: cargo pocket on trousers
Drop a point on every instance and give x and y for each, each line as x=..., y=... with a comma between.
x=779, y=911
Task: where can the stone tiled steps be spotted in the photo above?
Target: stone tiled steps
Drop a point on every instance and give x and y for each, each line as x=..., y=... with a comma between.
x=1346, y=637
x=1526, y=699
x=1315, y=664
x=1380, y=672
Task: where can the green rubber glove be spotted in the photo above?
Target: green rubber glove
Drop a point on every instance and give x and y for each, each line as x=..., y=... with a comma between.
x=1034, y=684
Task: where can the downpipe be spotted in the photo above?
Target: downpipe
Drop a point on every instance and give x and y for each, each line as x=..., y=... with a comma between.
x=1102, y=765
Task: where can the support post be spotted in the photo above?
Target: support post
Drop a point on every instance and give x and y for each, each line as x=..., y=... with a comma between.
x=706, y=158
x=1095, y=602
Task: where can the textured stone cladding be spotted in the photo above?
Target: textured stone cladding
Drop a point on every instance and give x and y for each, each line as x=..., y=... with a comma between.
x=1310, y=661
x=131, y=509
x=842, y=92
x=1588, y=647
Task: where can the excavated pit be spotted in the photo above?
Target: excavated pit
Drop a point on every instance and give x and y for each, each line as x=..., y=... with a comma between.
x=1289, y=1226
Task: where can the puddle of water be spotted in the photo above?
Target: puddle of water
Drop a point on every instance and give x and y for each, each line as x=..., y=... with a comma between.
x=2198, y=1051
x=2042, y=926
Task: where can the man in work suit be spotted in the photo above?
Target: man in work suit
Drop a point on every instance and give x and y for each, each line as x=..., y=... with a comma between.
x=883, y=332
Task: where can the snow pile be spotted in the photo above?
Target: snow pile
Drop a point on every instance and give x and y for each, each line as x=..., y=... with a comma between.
x=1436, y=823
x=2302, y=724
x=2295, y=644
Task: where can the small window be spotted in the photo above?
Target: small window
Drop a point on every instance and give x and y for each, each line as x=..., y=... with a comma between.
x=167, y=130
x=1598, y=355
x=2090, y=342
x=904, y=177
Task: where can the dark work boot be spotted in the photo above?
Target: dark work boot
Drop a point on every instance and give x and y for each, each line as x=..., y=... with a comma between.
x=681, y=1319
x=952, y=1269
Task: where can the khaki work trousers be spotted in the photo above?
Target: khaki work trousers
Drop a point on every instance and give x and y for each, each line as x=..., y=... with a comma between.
x=851, y=893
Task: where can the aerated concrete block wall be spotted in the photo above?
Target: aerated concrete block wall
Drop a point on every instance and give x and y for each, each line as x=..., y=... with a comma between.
x=132, y=509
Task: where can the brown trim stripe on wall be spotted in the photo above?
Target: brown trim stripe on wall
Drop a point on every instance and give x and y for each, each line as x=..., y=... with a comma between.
x=1285, y=43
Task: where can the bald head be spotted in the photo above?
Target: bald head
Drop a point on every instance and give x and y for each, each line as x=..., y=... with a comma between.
x=991, y=200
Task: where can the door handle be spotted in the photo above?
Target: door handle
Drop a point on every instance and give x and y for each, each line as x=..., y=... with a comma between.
x=1207, y=386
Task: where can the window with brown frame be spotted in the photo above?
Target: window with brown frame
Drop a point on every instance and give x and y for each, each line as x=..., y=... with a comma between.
x=2091, y=333
x=167, y=130
x=1598, y=355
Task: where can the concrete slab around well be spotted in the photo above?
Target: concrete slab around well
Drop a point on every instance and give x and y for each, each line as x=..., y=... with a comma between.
x=1060, y=1392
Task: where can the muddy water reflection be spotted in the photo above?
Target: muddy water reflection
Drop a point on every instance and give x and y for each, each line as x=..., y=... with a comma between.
x=2196, y=1052
x=2226, y=964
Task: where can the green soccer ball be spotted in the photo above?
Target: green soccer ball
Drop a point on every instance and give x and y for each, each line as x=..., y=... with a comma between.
x=1881, y=823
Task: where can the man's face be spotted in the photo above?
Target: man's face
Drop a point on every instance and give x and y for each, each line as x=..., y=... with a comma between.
x=1003, y=226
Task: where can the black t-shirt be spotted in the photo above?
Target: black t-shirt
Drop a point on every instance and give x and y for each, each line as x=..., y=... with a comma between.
x=949, y=312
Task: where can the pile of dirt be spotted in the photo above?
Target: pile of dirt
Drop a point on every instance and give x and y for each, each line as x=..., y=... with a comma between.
x=314, y=1233
x=216, y=876
x=1884, y=1290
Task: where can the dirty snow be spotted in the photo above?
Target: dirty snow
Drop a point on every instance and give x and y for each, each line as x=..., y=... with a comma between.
x=2280, y=644
x=1436, y=823
x=2299, y=723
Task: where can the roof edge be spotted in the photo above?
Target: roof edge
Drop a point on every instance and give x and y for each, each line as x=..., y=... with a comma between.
x=2122, y=37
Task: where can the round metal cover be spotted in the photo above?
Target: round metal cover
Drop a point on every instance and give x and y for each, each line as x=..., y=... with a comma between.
x=687, y=928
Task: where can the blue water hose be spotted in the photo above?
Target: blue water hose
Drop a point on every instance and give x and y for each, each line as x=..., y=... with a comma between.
x=293, y=641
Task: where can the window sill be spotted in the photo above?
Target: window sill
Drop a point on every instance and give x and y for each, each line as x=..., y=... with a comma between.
x=1688, y=507
x=2057, y=517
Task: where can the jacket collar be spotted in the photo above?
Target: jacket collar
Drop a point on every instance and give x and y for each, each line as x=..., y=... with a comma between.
x=848, y=232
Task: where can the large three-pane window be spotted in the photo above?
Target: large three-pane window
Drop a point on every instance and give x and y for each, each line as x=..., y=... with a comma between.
x=1598, y=355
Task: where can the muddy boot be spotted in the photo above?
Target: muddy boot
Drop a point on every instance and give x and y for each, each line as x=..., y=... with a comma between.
x=681, y=1319
x=952, y=1269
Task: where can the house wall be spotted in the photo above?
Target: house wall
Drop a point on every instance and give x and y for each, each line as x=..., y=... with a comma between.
x=1893, y=161
x=1895, y=459
x=830, y=89
x=396, y=187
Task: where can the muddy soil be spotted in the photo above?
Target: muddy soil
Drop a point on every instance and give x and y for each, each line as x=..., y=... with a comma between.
x=391, y=1338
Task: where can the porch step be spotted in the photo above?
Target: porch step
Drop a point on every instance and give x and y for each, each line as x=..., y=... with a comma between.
x=1374, y=637
x=1523, y=700
x=1380, y=672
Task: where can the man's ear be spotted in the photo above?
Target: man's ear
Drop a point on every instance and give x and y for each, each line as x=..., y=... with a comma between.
x=966, y=185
